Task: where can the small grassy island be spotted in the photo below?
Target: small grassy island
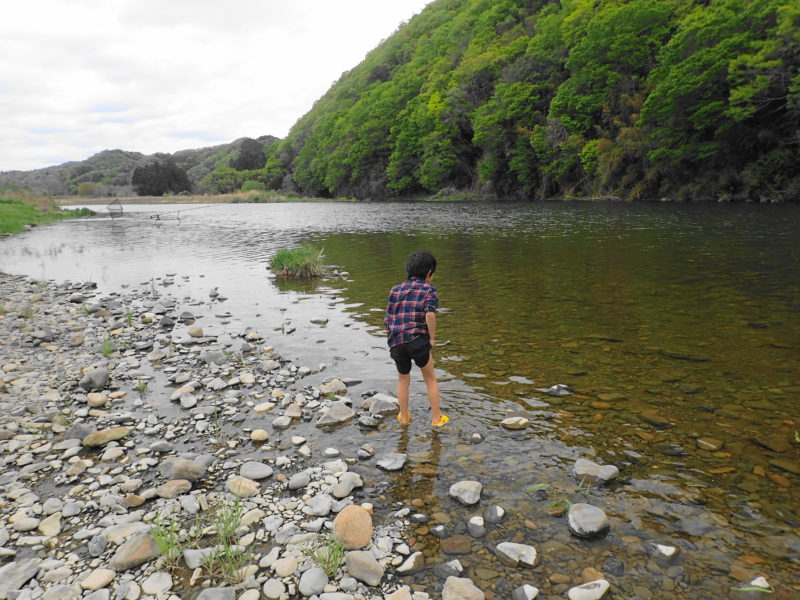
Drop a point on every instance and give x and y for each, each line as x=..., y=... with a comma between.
x=19, y=210
x=304, y=262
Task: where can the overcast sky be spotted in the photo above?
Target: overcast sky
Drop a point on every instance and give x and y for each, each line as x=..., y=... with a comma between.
x=81, y=76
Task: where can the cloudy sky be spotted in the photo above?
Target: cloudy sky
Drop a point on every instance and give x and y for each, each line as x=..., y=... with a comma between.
x=81, y=76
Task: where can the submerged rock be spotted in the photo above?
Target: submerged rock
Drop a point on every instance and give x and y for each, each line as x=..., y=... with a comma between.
x=587, y=521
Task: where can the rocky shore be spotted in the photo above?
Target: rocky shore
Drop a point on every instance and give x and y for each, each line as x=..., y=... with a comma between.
x=145, y=455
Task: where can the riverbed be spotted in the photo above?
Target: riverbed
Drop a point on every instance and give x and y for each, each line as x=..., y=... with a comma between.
x=674, y=327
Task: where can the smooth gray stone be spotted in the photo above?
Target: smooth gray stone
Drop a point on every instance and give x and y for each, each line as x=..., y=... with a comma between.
x=587, y=521
x=255, y=470
x=217, y=593
x=15, y=575
x=299, y=480
x=466, y=492
x=313, y=582
x=394, y=461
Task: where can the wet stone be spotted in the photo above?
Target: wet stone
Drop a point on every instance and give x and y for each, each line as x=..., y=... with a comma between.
x=466, y=492
x=587, y=521
x=394, y=461
x=594, y=590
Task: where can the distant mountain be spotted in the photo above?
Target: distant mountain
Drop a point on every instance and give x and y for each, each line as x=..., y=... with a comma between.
x=108, y=173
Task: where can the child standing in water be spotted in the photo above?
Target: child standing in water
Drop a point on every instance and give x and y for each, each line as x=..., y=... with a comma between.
x=410, y=321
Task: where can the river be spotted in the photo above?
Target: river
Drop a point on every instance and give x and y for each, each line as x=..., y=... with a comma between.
x=676, y=327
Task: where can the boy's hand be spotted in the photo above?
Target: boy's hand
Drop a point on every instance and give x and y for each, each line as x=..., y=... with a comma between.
x=433, y=343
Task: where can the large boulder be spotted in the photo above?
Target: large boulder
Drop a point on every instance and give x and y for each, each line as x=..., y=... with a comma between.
x=353, y=527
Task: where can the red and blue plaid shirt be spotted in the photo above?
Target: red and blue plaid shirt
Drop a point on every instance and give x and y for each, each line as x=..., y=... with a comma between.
x=406, y=308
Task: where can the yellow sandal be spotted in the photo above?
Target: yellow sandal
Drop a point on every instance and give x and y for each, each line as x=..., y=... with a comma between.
x=443, y=419
x=400, y=419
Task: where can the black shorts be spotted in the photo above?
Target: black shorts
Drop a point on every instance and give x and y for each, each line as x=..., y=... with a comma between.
x=418, y=349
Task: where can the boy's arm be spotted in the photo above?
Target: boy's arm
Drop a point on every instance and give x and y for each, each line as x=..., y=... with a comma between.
x=430, y=321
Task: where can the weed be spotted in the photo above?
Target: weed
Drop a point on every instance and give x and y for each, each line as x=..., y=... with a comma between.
x=27, y=312
x=108, y=348
x=84, y=308
x=328, y=554
x=298, y=263
x=166, y=533
x=228, y=560
x=3, y=309
x=141, y=387
x=129, y=318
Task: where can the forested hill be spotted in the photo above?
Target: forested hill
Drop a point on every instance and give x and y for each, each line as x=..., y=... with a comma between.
x=638, y=99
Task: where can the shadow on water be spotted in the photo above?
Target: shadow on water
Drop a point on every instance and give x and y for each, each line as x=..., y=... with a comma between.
x=676, y=327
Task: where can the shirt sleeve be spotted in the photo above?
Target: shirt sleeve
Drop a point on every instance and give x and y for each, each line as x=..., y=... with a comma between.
x=431, y=302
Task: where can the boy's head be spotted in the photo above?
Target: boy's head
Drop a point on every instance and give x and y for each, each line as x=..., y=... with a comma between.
x=420, y=263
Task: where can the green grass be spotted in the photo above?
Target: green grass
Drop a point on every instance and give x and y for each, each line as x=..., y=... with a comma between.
x=166, y=533
x=328, y=554
x=18, y=212
x=108, y=347
x=304, y=262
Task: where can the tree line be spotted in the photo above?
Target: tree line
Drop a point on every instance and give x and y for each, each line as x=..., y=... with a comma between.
x=636, y=99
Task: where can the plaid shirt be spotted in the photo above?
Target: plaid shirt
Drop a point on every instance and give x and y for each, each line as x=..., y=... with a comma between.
x=406, y=308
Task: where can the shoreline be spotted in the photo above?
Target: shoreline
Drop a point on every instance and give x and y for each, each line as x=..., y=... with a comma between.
x=233, y=392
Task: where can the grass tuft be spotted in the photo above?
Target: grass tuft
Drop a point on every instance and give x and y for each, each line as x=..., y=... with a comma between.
x=304, y=262
x=20, y=208
x=328, y=554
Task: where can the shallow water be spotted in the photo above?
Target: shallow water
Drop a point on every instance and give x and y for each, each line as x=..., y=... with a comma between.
x=669, y=323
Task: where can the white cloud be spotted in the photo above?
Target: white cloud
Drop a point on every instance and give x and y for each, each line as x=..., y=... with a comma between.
x=81, y=76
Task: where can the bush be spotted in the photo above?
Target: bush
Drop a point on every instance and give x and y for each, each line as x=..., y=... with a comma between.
x=251, y=185
x=298, y=263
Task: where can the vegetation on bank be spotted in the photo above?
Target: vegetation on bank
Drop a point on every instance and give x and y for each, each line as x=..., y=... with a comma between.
x=304, y=262
x=20, y=209
x=643, y=99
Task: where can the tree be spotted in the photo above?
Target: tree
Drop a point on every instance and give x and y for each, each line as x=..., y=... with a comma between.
x=251, y=156
x=160, y=177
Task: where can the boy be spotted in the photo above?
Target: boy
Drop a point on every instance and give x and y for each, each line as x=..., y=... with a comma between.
x=410, y=321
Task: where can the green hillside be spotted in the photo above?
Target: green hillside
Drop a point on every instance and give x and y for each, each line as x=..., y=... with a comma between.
x=638, y=99
x=109, y=173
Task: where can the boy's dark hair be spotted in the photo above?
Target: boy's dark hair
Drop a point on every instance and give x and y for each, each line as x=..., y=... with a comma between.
x=419, y=263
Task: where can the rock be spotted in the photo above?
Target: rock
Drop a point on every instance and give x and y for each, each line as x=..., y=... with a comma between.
x=414, y=563
x=157, y=583
x=217, y=593
x=26, y=524
x=299, y=480
x=587, y=471
x=466, y=492
x=100, y=438
x=179, y=468
x=587, y=521
x=214, y=357
x=284, y=567
x=51, y=526
x=318, y=321
x=336, y=414
x=259, y=435
x=99, y=578
x=517, y=554
x=363, y=566
x=282, y=422
x=195, y=332
x=96, y=379
x=773, y=442
x=456, y=544
x=96, y=399
x=196, y=557
x=403, y=593
x=594, y=590
x=709, y=444
x=312, y=582
x=16, y=574
x=320, y=505
x=138, y=549
x=476, y=527
x=525, y=592
x=515, y=423
x=786, y=465
x=381, y=404
x=242, y=487
x=347, y=483
x=255, y=470
x=394, y=461
x=334, y=386
x=174, y=488
x=452, y=568
x=273, y=589
x=461, y=588
x=353, y=527
x=494, y=514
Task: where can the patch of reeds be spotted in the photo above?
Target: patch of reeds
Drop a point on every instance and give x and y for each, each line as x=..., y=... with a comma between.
x=304, y=262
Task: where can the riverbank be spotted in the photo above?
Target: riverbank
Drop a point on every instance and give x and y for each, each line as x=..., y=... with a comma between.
x=132, y=433
x=16, y=215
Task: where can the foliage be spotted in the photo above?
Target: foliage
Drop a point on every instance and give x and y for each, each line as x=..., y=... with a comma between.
x=166, y=533
x=19, y=209
x=643, y=99
x=328, y=554
x=108, y=347
x=298, y=263
x=160, y=177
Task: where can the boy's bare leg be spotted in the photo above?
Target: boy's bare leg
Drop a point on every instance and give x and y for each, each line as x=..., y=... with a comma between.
x=429, y=377
x=403, y=383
